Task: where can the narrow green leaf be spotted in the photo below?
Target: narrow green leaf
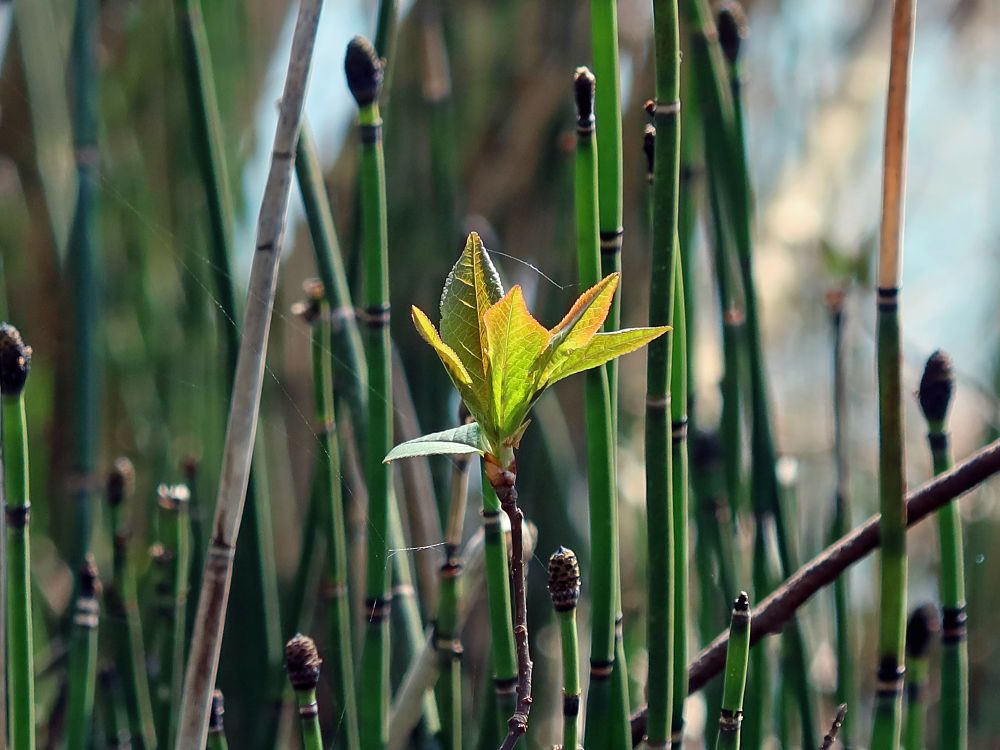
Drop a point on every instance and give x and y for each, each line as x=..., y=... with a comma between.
x=602, y=348
x=472, y=287
x=515, y=341
x=459, y=440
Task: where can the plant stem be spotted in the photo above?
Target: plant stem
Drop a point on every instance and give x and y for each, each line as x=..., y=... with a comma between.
x=502, y=480
x=83, y=658
x=364, y=77
x=302, y=662
x=679, y=449
x=892, y=596
x=82, y=261
x=115, y=713
x=122, y=618
x=242, y=424
x=737, y=656
x=838, y=722
x=256, y=589
x=172, y=562
x=935, y=393
x=599, y=414
x=332, y=514
x=216, y=727
x=921, y=629
x=446, y=633
x=846, y=686
x=774, y=611
x=503, y=657
x=663, y=527
x=564, y=587
x=15, y=361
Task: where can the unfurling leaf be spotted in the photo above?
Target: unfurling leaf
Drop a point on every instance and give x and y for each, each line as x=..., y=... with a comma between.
x=501, y=359
x=460, y=440
x=515, y=342
x=472, y=287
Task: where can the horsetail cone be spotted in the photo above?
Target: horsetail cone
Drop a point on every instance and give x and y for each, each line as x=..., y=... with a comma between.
x=302, y=662
x=936, y=387
x=584, y=85
x=921, y=630
x=121, y=481
x=564, y=579
x=216, y=724
x=732, y=27
x=364, y=71
x=15, y=361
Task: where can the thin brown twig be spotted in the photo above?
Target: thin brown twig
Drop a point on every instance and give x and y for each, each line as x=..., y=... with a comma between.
x=503, y=482
x=774, y=611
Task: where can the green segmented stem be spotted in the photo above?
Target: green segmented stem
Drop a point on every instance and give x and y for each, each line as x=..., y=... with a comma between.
x=679, y=449
x=258, y=638
x=936, y=387
x=122, y=618
x=734, y=686
x=503, y=658
x=446, y=627
x=921, y=629
x=83, y=659
x=892, y=502
x=82, y=270
x=365, y=77
x=564, y=589
x=20, y=651
x=846, y=691
x=332, y=515
x=663, y=529
x=604, y=571
x=172, y=561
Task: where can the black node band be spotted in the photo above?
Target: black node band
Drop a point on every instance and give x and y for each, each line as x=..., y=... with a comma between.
x=938, y=441
x=17, y=515
x=888, y=298
x=611, y=242
x=571, y=705
x=376, y=316
x=378, y=609
x=954, y=625
x=370, y=134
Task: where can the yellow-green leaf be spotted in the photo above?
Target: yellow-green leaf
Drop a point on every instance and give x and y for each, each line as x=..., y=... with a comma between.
x=515, y=341
x=582, y=321
x=472, y=287
x=602, y=348
x=449, y=359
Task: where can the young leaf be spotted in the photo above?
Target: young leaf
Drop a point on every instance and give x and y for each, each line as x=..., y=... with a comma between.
x=459, y=375
x=602, y=348
x=515, y=342
x=471, y=288
x=459, y=440
x=582, y=321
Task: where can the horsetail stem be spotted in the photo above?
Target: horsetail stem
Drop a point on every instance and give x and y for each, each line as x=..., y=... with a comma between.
x=172, y=561
x=259, y=636
x=216, y=727
x=663, y=527
x=115, y=713
x=503, y=479
x=502, y=655
x=302, y=661
x=936, y=387
x=83, y=657
x=922, y=629
x=82, y=261
x=737, y=657
x=599, y=415
x=122, y=619
x=364, y=78
x=564, y=588
x=446, y=631
x=892, y=596
x=15, y=363
x=317, y=313
x=846, y=691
